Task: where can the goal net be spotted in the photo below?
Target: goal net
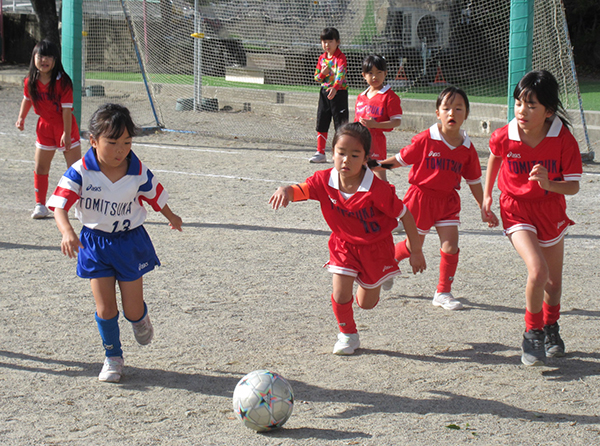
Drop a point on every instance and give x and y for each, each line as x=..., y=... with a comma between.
x=244, y=68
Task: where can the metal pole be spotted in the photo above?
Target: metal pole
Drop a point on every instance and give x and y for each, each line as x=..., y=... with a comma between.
x=197, y=57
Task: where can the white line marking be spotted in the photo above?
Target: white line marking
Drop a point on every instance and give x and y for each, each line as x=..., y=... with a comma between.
x=190, y=149
x=231, y=177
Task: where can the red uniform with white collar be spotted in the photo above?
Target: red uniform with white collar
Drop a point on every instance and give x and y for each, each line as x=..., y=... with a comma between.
x=50, y=125
x=383, y=106
x=524, y=205
x=361, y=244
x=435, y=177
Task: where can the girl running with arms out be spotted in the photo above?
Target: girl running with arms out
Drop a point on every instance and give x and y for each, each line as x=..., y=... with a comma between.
x=537, y=162
x=108, y=187
x=361, y=211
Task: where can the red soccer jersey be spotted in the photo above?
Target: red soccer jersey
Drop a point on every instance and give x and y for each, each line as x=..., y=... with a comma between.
x=558, y=152
x=437, y=166
x=368, y=216
x=383, y=106
x=337, y=76
x=50, y=109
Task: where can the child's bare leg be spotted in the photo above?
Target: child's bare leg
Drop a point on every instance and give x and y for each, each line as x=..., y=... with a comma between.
x=132, y=297
x=554, y=256
x=528, y=247
x=367, y=298
x=105, y=296
x=342, y=288
x=448, y=239
x=43, y=160
x=72, y=155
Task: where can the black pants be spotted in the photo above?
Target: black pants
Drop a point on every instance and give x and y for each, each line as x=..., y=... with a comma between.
x=336, y=108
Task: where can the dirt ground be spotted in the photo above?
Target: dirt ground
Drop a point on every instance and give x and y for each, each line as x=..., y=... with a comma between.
x=242, y=288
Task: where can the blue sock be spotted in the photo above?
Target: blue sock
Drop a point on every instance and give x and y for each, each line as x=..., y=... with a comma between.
x=143, y=316
x=109, y=332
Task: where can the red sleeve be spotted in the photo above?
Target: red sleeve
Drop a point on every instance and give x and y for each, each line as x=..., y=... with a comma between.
x=497, y=141
x=393, y=108
x=413, y=153
x=472, y=171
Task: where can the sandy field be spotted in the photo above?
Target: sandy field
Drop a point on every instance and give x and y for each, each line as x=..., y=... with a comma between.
x=243, y=288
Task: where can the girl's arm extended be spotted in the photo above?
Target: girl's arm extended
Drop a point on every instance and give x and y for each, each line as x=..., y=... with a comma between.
x=417, y=260
x=65, y=139
x=477, y=191
x=175, y=221
x=372, y=124
x=70, y=243
x=23, y=111
x=283, y=195
x=491, y=173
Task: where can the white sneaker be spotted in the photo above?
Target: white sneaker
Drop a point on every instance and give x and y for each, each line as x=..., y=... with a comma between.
x=318, y=157
x=346, y=344
x=143, y=330
x=112, y=369
x=446, y=301
x=388, y=284
x=40, y=211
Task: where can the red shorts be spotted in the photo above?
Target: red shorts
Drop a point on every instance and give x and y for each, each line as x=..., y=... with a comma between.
x=49, y=134
x=547, y=218
x=378, y=147
x=370, y=265
x=430, y=208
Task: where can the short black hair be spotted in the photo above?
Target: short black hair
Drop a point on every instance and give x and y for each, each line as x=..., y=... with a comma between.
x=450, y=93
x=111, y=121
x=374, y=60
x=356, y=130
x=330, y=33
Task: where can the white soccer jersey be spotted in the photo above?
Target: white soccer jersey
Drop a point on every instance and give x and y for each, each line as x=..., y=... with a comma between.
x=104, y=205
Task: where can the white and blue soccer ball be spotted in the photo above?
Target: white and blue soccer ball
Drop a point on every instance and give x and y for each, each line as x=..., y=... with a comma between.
x=263, y=400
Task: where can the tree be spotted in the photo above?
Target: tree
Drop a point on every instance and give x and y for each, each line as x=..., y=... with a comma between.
x=45, y=10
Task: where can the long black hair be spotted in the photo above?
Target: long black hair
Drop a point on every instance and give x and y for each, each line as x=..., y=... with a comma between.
x=48, y=49
x=545, y=87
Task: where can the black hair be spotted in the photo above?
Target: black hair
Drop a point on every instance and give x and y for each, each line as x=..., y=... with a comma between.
x=110, y=121
x=330, y=33
x=356, y=130
x=374, y=60
x=450, y=93
x=545, y=87
x=48, y=49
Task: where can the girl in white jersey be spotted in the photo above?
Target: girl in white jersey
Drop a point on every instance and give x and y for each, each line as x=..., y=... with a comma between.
x=537, y=162
x=107, y=187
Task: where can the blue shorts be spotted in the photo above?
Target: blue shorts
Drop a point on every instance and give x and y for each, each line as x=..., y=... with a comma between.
x=125, y=255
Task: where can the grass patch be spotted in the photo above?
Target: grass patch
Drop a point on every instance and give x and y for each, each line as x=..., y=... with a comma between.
x=590, y=89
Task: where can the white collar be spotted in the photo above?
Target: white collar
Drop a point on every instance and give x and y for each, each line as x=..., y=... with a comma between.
x=365, y=184
x=434, y=132
x=383, y=90
x=553, y=132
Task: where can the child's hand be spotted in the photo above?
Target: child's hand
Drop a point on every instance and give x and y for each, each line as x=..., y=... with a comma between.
x=325, y=71
x=487, y=215
x=279, y=198
x=417, y=261
x=368, y=123
x=70, y=244
x=540, y=174
x=175, y=222
x=65, y=141
x=331, y=92
x=20, y=124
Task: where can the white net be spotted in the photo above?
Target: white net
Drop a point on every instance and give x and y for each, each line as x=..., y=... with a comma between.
x=244, y=68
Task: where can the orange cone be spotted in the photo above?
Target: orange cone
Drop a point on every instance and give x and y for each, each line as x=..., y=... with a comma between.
x=401, y=74
x=439, y=77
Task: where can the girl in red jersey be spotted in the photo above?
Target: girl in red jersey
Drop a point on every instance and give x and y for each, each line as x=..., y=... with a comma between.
x=441, y=156
x=537, y=161
x=50, y=91
x=361, y=211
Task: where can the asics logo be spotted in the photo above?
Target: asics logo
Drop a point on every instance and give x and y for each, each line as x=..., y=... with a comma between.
x=560, y=224
x=513, y=155
x=141, y=266
x=432, y=153
x=94, y=188
x=385, y=268
x=333, y=200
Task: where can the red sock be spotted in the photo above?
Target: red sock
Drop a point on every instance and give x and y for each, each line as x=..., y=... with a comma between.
x=40, y=185
x=551, y=313
x=344, y=315
x=448, y=264
x=321, y=141
x=534, y=321
x=401, y=251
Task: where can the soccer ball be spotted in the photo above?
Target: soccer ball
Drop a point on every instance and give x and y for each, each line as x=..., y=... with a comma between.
x=263, y=400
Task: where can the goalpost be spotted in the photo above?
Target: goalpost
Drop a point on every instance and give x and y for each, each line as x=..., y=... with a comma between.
x=244, y=68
